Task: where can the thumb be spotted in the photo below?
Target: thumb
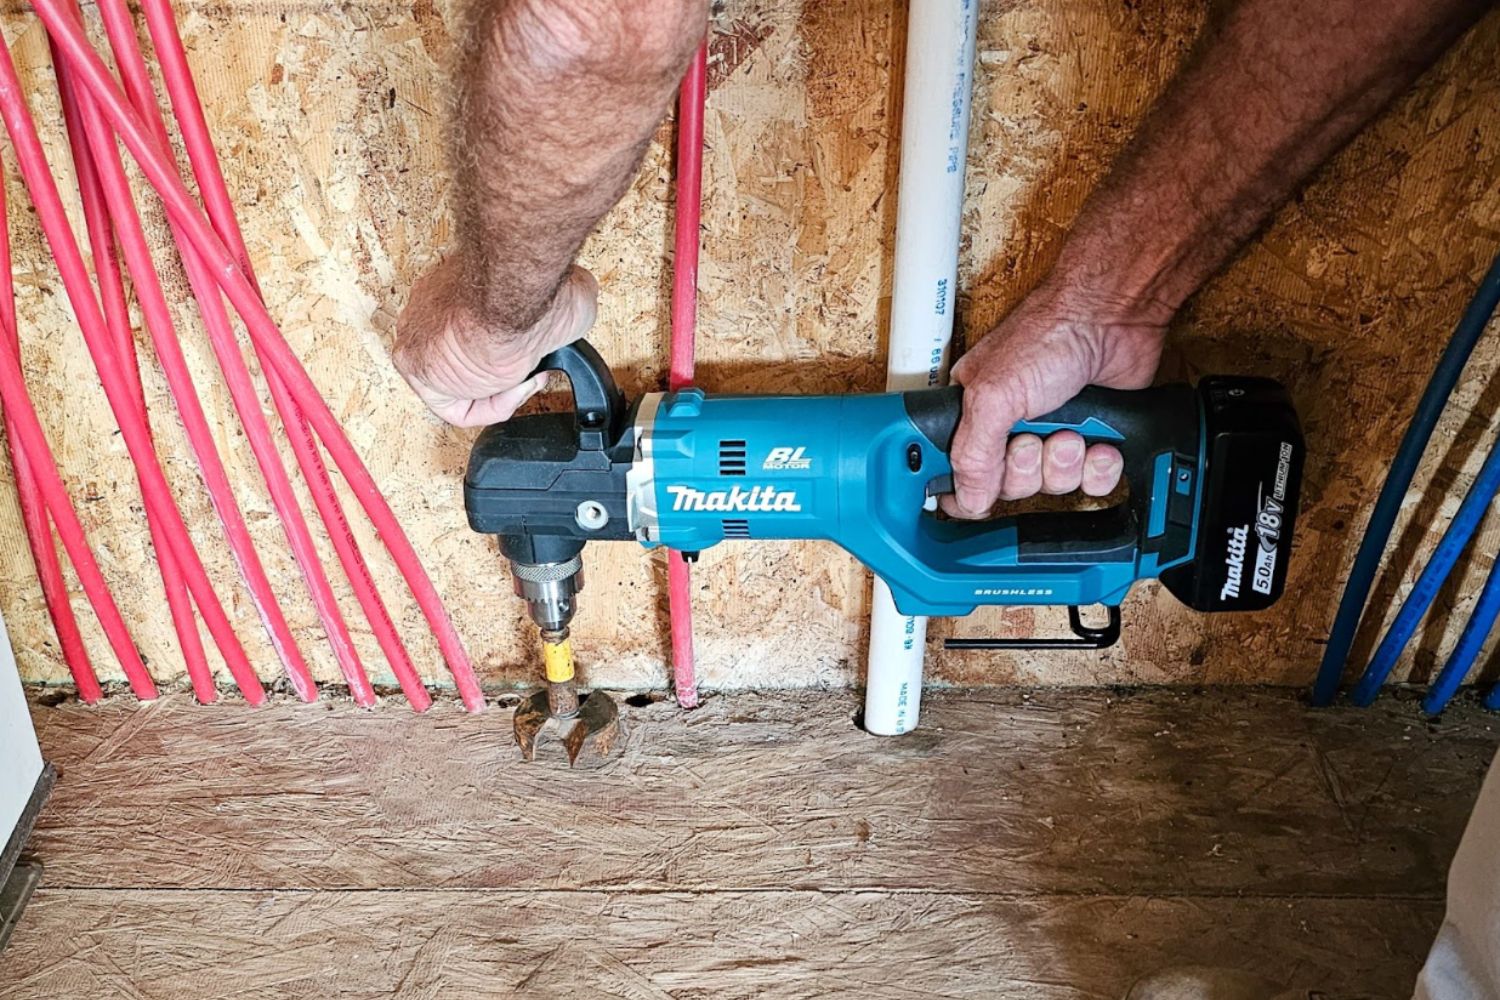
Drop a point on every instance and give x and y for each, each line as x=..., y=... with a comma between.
x=978, y=451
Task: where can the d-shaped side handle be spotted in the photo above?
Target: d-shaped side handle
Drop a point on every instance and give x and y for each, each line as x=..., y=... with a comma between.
x=598, y=404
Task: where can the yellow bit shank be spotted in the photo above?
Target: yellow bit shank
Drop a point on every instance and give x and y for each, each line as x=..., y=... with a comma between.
x=557, y=660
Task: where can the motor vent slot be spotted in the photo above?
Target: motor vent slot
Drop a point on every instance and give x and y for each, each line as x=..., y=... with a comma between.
x=736, y=528
x=731, y=458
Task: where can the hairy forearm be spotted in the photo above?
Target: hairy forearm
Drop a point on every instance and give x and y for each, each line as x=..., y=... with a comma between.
x=557, y=101
x=1273, y=88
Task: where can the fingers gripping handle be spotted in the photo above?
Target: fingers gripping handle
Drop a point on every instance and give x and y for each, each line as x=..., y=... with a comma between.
x=1148, y=426
x=1130, y=420
x=597, y=400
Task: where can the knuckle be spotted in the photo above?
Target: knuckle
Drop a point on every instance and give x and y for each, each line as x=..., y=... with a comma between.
x=972, y=460
x=1018, y=490
x=1105, y=460
x=1058, y=484
x=993, y=392
x=966, y=447
x=1065, y=450
x=653, y=38
x=1025, y=442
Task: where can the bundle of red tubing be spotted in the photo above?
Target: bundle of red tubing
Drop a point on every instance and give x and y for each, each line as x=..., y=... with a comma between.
x=103, y=112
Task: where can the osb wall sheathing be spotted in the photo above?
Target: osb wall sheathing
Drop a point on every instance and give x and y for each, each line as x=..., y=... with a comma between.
x=329, y=119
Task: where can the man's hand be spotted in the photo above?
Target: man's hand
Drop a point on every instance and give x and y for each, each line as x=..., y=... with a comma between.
x=473, y=372
x=1050, y=347
x=1272, y=89
x=556, y=103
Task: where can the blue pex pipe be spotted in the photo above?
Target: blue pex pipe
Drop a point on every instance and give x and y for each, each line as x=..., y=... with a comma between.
x=1470, y=513
x=1492, y=700
x=1481, y=622
x=1367, y=562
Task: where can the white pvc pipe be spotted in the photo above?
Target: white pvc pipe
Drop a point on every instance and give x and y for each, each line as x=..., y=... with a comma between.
x=934, y=148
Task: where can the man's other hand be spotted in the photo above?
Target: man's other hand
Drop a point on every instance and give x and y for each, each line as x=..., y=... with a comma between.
x=473, y=372
x=1042, y=354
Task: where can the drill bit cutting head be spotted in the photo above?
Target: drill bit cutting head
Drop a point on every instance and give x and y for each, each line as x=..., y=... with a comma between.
x=592, y=721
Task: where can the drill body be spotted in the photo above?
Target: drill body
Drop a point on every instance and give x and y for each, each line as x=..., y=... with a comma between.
x=1213, y=473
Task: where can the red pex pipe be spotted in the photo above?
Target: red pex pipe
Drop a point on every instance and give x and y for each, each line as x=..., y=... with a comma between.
x=116, y=315
x=247, y=406
x=30, y=440
x=37, y=174
x=688, y=218
x=179, y=204
x=182, y=92
x=159, y=323
x=685, y=237
x=34, y=508
x=28, y=430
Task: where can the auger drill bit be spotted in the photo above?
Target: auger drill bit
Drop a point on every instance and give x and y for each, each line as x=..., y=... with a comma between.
x=593, y=720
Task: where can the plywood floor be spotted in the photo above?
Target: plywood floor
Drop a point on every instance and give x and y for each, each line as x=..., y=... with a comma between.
x=1057, y=845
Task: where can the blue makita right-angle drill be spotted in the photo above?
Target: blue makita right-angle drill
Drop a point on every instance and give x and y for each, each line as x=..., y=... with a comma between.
x=1213, y=475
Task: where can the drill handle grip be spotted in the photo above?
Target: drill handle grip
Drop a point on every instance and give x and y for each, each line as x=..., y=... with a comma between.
x=1142, y=423
x=1102, y=416
x=1157, y=432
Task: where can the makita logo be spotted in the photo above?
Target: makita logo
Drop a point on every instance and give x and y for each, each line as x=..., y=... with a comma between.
x=1235, y=561
x=755, y=500
x=786, y=458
